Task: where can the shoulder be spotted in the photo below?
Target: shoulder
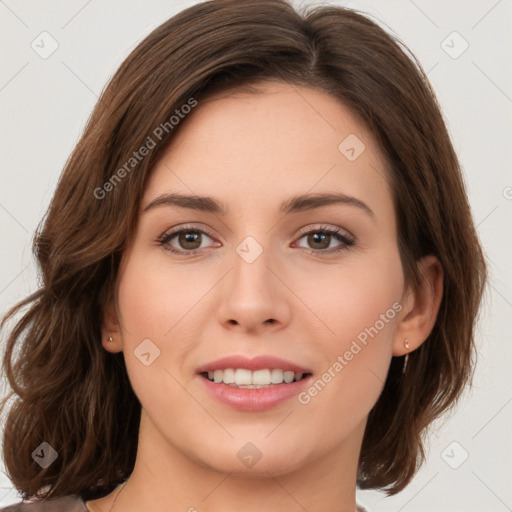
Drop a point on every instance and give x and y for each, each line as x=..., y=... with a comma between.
x=64, y=504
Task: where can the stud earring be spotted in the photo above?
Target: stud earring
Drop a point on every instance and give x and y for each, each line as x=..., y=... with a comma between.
x=406, y=344
x=109, y=339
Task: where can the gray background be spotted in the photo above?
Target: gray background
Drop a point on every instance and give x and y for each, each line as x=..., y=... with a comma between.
x=45, y=103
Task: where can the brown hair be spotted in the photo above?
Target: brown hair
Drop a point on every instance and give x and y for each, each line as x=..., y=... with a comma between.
x=75, y=395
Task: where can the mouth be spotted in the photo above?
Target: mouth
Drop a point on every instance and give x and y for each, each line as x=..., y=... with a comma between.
x=243, y=378
x=253, y=384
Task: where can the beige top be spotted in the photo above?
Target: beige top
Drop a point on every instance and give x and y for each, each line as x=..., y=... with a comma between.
x=65, y=504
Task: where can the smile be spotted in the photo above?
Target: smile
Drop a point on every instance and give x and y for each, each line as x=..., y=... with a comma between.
x=253, y=384
x=247, y=379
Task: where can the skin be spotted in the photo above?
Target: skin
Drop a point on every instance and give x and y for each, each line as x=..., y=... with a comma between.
x=253, y=151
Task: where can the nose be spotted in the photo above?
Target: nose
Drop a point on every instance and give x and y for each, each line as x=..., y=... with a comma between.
x=254, y=297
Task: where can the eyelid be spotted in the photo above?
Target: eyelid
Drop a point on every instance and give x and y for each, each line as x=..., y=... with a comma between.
x=183, y=227
x=347, y=239
x=324, y=227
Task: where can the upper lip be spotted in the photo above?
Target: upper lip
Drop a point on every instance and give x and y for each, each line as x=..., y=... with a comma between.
x=255, y=363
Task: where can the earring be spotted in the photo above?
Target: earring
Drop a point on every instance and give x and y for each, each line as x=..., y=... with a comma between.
x=406, y=358
x=109, y=339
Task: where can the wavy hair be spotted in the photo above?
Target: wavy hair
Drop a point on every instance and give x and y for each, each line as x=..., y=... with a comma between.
x=70, y=392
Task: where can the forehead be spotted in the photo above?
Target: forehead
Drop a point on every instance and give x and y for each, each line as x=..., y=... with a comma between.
x=259, y=144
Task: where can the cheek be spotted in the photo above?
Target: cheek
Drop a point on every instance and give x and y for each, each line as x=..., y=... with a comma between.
x=156, y=298
x=149, y=306
x=362, y=315
x=358, y=300
x=158, y=302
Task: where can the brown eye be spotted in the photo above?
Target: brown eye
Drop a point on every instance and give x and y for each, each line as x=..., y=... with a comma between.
x=184, y=241
x=319, y=240
x=189, y=239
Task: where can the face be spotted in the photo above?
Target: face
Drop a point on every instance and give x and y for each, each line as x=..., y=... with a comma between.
x=262, y=288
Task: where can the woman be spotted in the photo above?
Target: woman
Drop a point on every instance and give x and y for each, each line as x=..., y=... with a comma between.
x=260, y=275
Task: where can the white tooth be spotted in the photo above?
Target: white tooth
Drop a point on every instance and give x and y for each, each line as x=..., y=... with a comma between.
x=242, y=376
x=229, y=376
x=252, y=386
x=217, y=376
x=298, y=376
x=261, y=377
x=288, y=377
x=276, y=376
x=210, y=375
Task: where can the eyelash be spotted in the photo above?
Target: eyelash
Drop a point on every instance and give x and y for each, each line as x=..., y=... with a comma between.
x=347, y=240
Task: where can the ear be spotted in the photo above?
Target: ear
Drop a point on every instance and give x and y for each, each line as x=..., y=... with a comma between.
x=421, y=307
x=111, y=330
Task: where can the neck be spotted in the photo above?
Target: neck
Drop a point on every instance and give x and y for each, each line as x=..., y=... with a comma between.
x=167, y=479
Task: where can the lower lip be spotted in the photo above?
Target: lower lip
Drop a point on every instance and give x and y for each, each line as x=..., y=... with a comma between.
x=254, y=399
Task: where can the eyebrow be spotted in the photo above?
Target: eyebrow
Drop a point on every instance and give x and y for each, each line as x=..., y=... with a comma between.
x=298, y=203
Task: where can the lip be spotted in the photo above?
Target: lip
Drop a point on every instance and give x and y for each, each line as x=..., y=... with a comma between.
x=253, y=399
x=256, y=363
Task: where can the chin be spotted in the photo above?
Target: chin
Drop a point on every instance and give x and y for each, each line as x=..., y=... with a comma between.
x=257, y=456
